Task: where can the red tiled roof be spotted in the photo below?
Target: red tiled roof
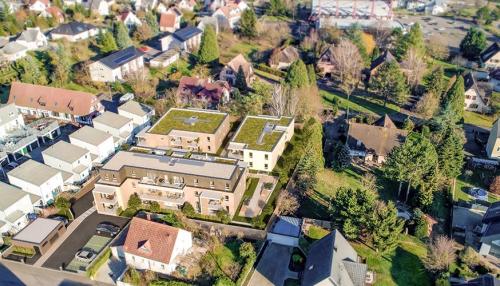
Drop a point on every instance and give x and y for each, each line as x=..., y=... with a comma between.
x=167, y=20
x=56, y=12
x=201, y=88
x=150, y=240
x=53, y=99
x=124, y=15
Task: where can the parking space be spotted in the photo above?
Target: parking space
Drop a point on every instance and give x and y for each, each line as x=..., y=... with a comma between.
x=63, y=256
x=95, y=245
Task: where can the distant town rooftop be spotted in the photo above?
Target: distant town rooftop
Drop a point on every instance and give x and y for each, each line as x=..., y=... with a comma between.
x=261, y=133
x=193, y=120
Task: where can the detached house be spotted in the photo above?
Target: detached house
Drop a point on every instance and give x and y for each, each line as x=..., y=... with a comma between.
x=477, y=95
x=154, y=246
x=74, y=31
x=99, y=143
x=15, y=206
x=32, y=38
x=117, y=65
x=140, y=114
x=62, y=104
x=13, y=51
x=490, y=231
x=230, y=13
x=375, y=142
x=38, y=179
x=326, y=63
x=385, y=57
x=69, y=158
x=101, y=7
x=187, y=39
x=170, y=21
x=55, y=13
x=260, y=141
x=490, y=58
x=203, y=91
x=38, y=5
x=129, y=19
x=282, y=58
x=232, y=68
x=186, y=5
x=119, y=126
x=493, y=145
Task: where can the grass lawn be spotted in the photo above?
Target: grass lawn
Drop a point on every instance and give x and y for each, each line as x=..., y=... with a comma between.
x=204, y=122
x=401, y=267
x=316, y=232
x=252, y=128
x=360, y=103
x=482, y=120
x=478, y=179
x=75, y=86
x=267, y=75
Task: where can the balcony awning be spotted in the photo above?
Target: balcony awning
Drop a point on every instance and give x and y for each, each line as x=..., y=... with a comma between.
x=211, y=195
x=102, y=189
x=183, y=134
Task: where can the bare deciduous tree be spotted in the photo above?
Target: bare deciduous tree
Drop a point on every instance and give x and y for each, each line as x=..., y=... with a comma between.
x=284, y=100
x=348, y=63
x=428, y=105
x=369, y=182
x=437, y=47
x=414, y=67
x=142, y=84
x=441, y=254
x=382, y=33
x=287, y=203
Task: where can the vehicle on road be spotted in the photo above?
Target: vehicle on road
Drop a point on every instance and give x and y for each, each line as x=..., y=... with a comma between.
x=85, y=255
x=107, y=229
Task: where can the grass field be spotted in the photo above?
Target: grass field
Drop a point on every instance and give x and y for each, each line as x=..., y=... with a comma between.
x=478, y=179
x=360, y=103
x=482, y=120
x=95, y=243
x=401, y=267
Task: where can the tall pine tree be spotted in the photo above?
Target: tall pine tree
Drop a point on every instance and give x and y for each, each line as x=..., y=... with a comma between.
x=240, y=81
x=390, y=82
x=209, y=48
x=435, y=82
x=106, y=42
x=385, y=227
x=451, y=153
x=248, y=23
x=152, y=22
x=30, y=70
x=473, y=43
x=297, y=76
x=311, y=74
x=455, y=98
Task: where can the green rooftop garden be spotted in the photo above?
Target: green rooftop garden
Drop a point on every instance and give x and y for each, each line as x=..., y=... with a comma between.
x=251, y=129
x=175, y=119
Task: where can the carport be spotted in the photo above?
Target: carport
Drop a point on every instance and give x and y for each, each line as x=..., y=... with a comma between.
x=39, y=235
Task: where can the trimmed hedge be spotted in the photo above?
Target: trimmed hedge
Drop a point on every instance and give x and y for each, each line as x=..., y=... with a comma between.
x=94, y=267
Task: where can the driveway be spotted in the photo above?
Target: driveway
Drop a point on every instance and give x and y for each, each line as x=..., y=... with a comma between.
x=273, y=266
x=66, y=252
x=83, y=204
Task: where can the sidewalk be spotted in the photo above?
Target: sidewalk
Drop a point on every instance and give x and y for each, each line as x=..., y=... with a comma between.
x=74, y=225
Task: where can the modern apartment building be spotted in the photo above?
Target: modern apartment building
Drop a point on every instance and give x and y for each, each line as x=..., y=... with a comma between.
x=187, y=129
x=260, y=141
x=119, y=126
x=100, y=144
x=208, y=186
x=69, y=158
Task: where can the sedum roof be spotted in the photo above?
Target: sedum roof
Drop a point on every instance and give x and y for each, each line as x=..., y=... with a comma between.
x=201, y=121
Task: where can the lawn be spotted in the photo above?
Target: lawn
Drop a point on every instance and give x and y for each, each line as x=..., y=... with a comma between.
x=401, y=267
x=252, y=128
x=477, y=119
x=251, y=186
x=360, y=103
x=231, y=46
x=189, y=120
x=478, y=179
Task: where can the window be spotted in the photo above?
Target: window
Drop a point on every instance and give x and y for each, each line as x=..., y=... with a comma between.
x=226, y=198
x=209, y=148
x=266, y=156
x=227, y=186
x=250, y=155
x=266, y=166
x=212, y=184
x=208, y=139
x=195, y=181
x=250, y=164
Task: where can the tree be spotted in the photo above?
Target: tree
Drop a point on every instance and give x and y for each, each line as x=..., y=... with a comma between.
x=223, y=215
x=287, y=203
x=248, y=23
x=341, y=156
x=142, y=33
x=241, y=82
x=428, y=105
x=247, y=250
x=355, y=34
x=473, y=43
x=106, y=42
x=188, y=209
x=62, y=203
x=369, y=182
x=134, y=202
x=296, y=76
x=415, y=67
x=348, y=63
x=30, y=70
x=451, y=154
x=152, y=22
x=311, y=74
x=421, y=224
x=455, y=98
x=413, y=39
x=470, y=257
x=142, y=83
x=495, y=185
x=435, y=82
x=60, y=66
x=389, y=81
x=209, y=48
x=485, y=16
x=277, y=8
x=121, y=35
x=224, y=281
x=440, y=254
x=385, y=227
x=408, y=124
x=351, y=210
x=154, y=207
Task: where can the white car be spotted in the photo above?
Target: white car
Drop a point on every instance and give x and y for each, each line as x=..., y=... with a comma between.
x=85, y=255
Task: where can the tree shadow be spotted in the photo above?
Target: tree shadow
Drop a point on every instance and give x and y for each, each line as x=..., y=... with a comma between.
x=407, y=269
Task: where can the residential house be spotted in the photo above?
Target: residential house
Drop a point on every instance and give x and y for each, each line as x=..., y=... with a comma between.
x=326, y=63
x=230, y=13
x=140, y=114
x=164, y=59
x=55, y=13
x=74, y=31
x=187, y=39
x=195, y=130
x=260, y=141
x=490, y=232
x=170, y=21
x=374, y=142
x=385, y=57
x=477, y=94
x=69, y=158
x=38, y=179
x=10, y=119
x=161, y=8
x=494, y=79
x=119, y=126
x=490, y=58
x=186, y=5
x=117, y=65
x=146, y=5
x=13, y=51
x=40, y=235
x=99, y=143
x=38, y=5
x=129, y=19
x=282, y=58
x=203, y=91
x=483, y=280
x=209, y=186
x=231, y=69
x=332, y=261
x=285, y=230
x=58, y=103
x=32, y=38
x=15, y=206
x=154, y=246
x=101, y=7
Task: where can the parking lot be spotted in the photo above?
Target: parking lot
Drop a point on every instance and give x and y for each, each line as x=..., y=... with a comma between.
x=79, y=238
x=96, y=244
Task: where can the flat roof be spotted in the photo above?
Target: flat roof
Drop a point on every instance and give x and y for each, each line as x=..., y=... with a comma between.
x=90, y=135
x=193, y=120
x=37, y=231
x=289, y=226
x=135, y=107
x=171, y=164
x=34, y=172
x=65, y=151
x=260, y=132
x=113, y=120
x=10, y=195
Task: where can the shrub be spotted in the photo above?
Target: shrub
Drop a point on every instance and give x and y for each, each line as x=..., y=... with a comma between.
x=470, y=257
x=224, y=281
x=168, y=283
x=94, y=267
x=134, y=202
x=188, y=209
x=297, y=259
x=223, y=215
x=421, y=225
x=154, y=207
x=247, y=250
x=172, y=219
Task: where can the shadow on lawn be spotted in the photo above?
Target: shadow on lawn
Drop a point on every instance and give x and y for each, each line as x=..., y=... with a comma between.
x=408, y=269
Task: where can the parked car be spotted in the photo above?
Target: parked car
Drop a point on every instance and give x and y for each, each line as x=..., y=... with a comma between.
x=479, y=194
x=107, y=229
x=60, y=218
x=126, y=97
x=85, y=255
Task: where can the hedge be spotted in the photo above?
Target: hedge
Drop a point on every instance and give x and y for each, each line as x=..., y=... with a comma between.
x=245, y=270
x=270, y=70
x=94, y=267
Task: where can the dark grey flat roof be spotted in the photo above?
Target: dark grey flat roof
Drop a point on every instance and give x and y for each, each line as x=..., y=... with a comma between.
x=73, y=28
x=122, y=57
x=289, y=226
x=187, y=33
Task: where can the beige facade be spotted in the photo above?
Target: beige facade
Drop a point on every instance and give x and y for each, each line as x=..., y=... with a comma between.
x=207, y=186
x=185, y=135
x=493, y=145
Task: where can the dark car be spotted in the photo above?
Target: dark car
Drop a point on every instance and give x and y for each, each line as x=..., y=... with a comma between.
x=61, y=218
x=107, y=229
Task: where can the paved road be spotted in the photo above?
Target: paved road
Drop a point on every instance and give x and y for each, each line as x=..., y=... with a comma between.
x=66, y=251
x=17, y=274
x=82, y=204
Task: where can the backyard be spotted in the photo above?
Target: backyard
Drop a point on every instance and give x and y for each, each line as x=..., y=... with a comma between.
x=359, y=101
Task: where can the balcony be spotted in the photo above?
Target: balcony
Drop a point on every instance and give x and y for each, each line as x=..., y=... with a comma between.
x=214, y=204
x=107, y=199
x=158, y=184
x=163, y=197
x=111, y=210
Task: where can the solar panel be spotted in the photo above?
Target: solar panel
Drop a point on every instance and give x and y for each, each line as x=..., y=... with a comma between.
x=123, y=58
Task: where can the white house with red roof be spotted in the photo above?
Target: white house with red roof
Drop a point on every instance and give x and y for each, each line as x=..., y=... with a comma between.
x=129, y=19
x=230, y=13
x=170, y=21
x=54, y=12
x=153, y=246
x=38, y=5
